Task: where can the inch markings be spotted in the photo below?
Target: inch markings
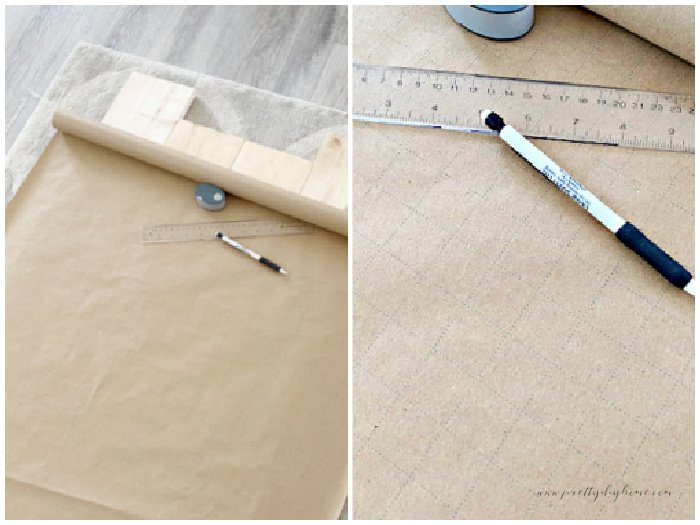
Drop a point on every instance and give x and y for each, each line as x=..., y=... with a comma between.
x=206, y=231
x=539, y=109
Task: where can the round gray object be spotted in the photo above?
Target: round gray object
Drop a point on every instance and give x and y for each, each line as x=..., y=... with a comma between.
x=210, y=197
x=494, y=22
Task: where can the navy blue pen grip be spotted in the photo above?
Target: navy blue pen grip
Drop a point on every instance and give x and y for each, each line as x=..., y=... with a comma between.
x=662, y=262
x=270, y=264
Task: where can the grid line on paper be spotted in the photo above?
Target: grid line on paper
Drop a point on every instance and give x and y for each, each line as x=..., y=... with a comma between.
x=465, y=303
x=425, y=327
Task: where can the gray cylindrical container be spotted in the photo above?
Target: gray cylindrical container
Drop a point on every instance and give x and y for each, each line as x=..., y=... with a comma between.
x=497, y=22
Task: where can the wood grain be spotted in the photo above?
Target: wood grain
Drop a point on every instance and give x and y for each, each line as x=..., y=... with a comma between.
x=153, y=108
x=149, y=107
x=205, y=143
x=303, y=49
x=327, y=180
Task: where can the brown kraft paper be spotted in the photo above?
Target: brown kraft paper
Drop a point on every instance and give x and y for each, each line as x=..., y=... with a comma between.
x=179, y=380
x=506, y=347
x=671, y=27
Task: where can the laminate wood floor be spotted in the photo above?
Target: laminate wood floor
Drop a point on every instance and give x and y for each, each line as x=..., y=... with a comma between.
x=298, y=51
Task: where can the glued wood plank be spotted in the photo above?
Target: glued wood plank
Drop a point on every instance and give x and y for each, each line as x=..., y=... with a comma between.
x=154, y=97
x=205, y=143
x=327, y=180
x=149, y=107
x=272, y=166
x=153, y=109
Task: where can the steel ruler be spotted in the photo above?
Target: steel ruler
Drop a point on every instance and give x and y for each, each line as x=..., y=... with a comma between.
x=538, y=109
x=205, y=231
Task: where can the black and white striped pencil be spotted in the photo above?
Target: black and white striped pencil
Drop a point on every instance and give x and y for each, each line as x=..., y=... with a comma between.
x=250, y=253
x=626, y=232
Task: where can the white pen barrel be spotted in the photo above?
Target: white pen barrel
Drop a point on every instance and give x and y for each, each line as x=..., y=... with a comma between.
x=240, y=247
x=565, y=182
x=626, y=233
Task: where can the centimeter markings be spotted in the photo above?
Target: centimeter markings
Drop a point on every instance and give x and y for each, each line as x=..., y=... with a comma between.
x=536, y=108
x=205, y=231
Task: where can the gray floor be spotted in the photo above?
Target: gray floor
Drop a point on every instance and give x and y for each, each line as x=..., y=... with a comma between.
x=301, y=52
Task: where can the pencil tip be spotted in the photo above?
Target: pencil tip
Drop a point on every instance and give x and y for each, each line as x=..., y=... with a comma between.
x=283, y=271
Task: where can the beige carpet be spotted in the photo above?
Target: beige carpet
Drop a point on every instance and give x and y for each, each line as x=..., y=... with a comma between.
x=511, y=358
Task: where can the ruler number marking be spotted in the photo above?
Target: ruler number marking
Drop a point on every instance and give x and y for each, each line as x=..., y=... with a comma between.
x=454, y=99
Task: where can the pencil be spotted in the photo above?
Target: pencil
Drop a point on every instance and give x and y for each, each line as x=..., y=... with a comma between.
x=250, y=253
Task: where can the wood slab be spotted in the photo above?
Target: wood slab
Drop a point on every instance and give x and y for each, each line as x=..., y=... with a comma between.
x=154, y=109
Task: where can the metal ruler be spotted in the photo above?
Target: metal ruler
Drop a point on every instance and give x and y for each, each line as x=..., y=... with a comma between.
x=538, y=109
x=205, y=231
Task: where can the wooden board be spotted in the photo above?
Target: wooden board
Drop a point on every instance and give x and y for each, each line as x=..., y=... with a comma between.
x=327, y=180
x=207, y=144
x=149, y=107
x=154, y=109
x=273, y=166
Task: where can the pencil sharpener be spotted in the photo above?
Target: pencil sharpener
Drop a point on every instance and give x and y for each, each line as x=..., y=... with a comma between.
x=210, y=197
x=497, y=22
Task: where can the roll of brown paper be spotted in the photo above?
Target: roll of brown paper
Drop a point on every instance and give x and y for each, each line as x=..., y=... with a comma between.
x=278, y=199
x=671, y=27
